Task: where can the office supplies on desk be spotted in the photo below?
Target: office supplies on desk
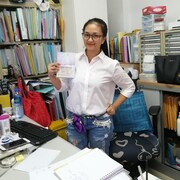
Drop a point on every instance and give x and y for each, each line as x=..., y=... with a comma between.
x=13, y=144
x=4, y=154
x=37, y=135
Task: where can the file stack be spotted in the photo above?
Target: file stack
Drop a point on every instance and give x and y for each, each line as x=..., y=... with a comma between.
x=153, y=18
x=148, y=69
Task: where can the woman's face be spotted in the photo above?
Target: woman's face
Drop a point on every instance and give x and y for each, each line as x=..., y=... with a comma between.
x=93, y=37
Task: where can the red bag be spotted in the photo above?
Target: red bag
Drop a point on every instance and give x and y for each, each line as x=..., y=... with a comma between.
x=34, y=105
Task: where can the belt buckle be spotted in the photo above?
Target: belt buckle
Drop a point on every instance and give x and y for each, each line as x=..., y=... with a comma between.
x=89, y=116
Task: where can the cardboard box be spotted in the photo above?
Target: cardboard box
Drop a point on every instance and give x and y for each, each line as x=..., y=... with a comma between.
x=154, y=10
x=59, y=126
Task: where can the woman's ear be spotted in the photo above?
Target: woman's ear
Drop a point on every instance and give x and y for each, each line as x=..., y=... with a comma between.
x=103, y=40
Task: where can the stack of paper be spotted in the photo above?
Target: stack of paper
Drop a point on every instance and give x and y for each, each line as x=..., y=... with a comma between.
x=148, y=65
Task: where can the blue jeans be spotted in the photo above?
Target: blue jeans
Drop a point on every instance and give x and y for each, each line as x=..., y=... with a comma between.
x=98, y=133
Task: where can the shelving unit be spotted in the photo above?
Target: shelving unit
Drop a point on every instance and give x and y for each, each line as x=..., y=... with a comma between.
x=161, y=43
x=161, y=163
x=149, y=44
x=171, y=42
x=31, y=51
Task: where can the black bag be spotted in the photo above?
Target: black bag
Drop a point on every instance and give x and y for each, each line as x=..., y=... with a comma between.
x=168, y=69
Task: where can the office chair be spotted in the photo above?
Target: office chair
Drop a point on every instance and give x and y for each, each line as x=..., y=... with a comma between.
x=134, y=142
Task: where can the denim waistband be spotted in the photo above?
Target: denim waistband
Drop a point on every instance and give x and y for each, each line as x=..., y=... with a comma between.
x=83, y=116
x=88, y=116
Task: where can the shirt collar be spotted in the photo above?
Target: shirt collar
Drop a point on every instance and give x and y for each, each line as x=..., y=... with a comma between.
x=100, y=56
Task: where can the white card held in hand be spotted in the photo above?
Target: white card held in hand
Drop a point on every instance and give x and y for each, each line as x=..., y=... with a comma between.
x=67, y=62
x=66, y=71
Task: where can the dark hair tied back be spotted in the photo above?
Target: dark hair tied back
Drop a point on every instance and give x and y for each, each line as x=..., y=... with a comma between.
x=104, y=29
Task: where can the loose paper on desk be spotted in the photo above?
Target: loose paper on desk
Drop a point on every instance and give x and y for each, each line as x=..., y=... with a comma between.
x=67, y=61
x=43, y=174
x=41, y=158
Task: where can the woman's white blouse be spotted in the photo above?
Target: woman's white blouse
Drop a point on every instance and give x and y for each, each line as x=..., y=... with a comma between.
x=93, y=87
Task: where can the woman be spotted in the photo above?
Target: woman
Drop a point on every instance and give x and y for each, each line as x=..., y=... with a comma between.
x=90, y=102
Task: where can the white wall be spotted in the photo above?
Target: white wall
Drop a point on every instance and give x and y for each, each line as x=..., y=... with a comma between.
x=76, y=13
x=125, y=15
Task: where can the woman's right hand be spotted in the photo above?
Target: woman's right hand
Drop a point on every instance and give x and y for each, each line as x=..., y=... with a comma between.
x=53, y=68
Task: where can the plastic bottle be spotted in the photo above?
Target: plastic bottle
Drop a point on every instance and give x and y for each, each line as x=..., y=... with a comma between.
x=178, y=125
x=17, y=105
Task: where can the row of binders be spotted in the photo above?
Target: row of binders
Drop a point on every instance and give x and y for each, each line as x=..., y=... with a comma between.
x=171, y=109
x=29, y=24
x=124, y=47
x=29, y=59
x=55, y=103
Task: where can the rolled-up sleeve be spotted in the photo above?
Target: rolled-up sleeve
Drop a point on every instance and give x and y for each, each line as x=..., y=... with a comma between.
x=64, y=86
x=122, y=79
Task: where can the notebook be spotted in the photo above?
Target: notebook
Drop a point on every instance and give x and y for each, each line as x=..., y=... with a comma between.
x=88, y=164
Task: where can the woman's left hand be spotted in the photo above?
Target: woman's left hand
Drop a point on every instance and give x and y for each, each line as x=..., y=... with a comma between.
x=110, y=110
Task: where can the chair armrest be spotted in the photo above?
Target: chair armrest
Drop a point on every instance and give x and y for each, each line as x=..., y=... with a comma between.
x=154, y=112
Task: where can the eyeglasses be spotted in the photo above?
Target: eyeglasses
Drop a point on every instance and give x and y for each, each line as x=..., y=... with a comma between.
x=94, y=37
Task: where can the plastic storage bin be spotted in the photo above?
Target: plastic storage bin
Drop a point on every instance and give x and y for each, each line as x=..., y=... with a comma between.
x=153, y=22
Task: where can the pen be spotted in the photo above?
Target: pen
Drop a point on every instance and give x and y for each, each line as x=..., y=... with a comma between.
x=140, y=172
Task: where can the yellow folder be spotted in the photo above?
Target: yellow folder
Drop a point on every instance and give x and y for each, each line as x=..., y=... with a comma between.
x=5, y=100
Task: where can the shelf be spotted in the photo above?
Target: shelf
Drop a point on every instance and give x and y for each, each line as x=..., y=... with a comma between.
x=165, y=43
x=6, y=3
x=158, y=86
x=30, y=41
x=31, y=37
x=149, y=44
x=161, y=43
x=31, y=77
x=171, y=42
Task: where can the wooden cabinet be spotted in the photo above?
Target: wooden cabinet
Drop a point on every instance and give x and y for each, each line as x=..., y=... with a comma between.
x=29, y=38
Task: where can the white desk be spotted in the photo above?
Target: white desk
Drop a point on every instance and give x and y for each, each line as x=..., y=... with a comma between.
x=57, y=143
